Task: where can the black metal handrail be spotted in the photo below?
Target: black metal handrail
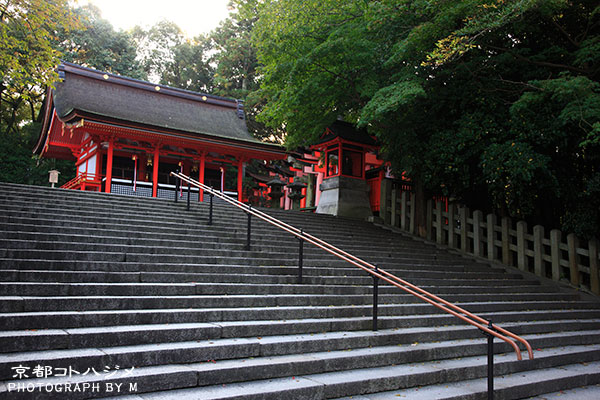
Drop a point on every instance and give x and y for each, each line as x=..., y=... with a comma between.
x=485, y=326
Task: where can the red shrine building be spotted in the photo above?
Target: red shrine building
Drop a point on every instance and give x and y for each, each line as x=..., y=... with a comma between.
x=127, y=135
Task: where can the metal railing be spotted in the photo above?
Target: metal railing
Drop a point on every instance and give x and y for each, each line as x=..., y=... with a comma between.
x=485, y=326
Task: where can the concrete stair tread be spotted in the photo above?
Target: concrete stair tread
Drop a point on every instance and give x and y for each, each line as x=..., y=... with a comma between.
x=408, y=378
x=286, y=345
x=505, y=387
x=335, y=376
x=584, y=392
x=525, y=315
x=152, y=286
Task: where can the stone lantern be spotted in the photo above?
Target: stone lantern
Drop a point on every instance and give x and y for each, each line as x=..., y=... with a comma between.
x=296, y=194
x=276, y=192
x=344, y=190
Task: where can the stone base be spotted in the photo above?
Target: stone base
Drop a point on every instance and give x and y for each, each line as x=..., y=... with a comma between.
x=345, y=197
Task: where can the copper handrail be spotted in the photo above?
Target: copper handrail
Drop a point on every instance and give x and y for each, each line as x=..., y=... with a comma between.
x=468, y=317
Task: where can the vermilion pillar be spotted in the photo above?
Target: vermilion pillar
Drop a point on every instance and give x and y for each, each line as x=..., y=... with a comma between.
x=109, y=162
x=201, y=176
x=239, y=180
x=98, y=171
x=155, y=173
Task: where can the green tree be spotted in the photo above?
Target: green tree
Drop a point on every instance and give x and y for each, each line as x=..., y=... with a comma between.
x=156, y=46
x=99, y=46
x=27, y=58
x=492, y=102
x=235, y=59
x=190, y=66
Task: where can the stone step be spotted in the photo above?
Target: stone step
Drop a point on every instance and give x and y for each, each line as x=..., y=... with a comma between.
x=7, y=275
x=65, y=303
x=179, y=289
x=372, y=355
x=27, y=240
x=122, y=335
x=208, y=248
x=151, y=288
x=226, y=234
x=292, y=268
x=582, y=377
x=592, y=391
x=91, y=201
x=324, y=375
x=360, y=315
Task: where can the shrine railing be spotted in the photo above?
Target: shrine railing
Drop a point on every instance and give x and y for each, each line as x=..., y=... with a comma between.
x=82, y=180
x=485, y=326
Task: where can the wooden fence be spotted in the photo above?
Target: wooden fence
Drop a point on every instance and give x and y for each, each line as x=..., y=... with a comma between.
x=548, y=254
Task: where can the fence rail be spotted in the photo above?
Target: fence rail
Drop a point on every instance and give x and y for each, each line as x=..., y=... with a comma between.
x=547, y=254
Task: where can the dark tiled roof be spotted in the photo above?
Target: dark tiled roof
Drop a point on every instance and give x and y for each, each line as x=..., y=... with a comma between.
x=347, y=131
x=115, y=97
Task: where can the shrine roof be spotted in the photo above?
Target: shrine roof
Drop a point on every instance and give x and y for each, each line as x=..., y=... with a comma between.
x=348, y=132
x=89, y=92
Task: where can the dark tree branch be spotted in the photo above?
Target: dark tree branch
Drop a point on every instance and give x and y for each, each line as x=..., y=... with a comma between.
x=565, y=33
x=541, y=63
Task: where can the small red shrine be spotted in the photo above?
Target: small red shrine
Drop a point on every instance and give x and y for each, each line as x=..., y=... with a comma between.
x=342, y=173
x=127, y=135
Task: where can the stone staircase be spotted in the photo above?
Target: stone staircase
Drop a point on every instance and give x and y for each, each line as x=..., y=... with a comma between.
x=113, y=296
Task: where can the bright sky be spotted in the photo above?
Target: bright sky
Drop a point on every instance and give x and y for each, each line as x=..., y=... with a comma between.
x=192, y=16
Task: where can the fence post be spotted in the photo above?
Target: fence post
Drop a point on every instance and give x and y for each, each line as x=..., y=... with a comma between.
x=594, y=278
x=451, y=226
x=555, y=240
x=403, y=213
x=491, y=236
x=429, y=220
x=413, y=213
x=477, y=218
x=383, y=201
x=464, y=229
x=573, y=244
x=538, y=250
x=394, y=208
x=439, y=223
x=521, y=246
x=505, y=233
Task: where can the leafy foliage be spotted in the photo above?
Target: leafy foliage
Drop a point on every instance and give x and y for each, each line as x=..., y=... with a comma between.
x=27, y=58
x=494, y=103
x=97, y=45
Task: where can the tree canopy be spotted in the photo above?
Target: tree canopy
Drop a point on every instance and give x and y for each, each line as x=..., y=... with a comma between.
x=495, y=103
x=27, y=57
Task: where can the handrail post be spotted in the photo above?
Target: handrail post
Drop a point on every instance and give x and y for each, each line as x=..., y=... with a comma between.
x=210, y=212
x=188, y=196
x=249, y=228
x=375, y=298
x=300, y=255
x=177, y=183
x=490, y=362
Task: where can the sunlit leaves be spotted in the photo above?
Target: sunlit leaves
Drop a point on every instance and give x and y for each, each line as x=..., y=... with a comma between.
x=27, y=58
